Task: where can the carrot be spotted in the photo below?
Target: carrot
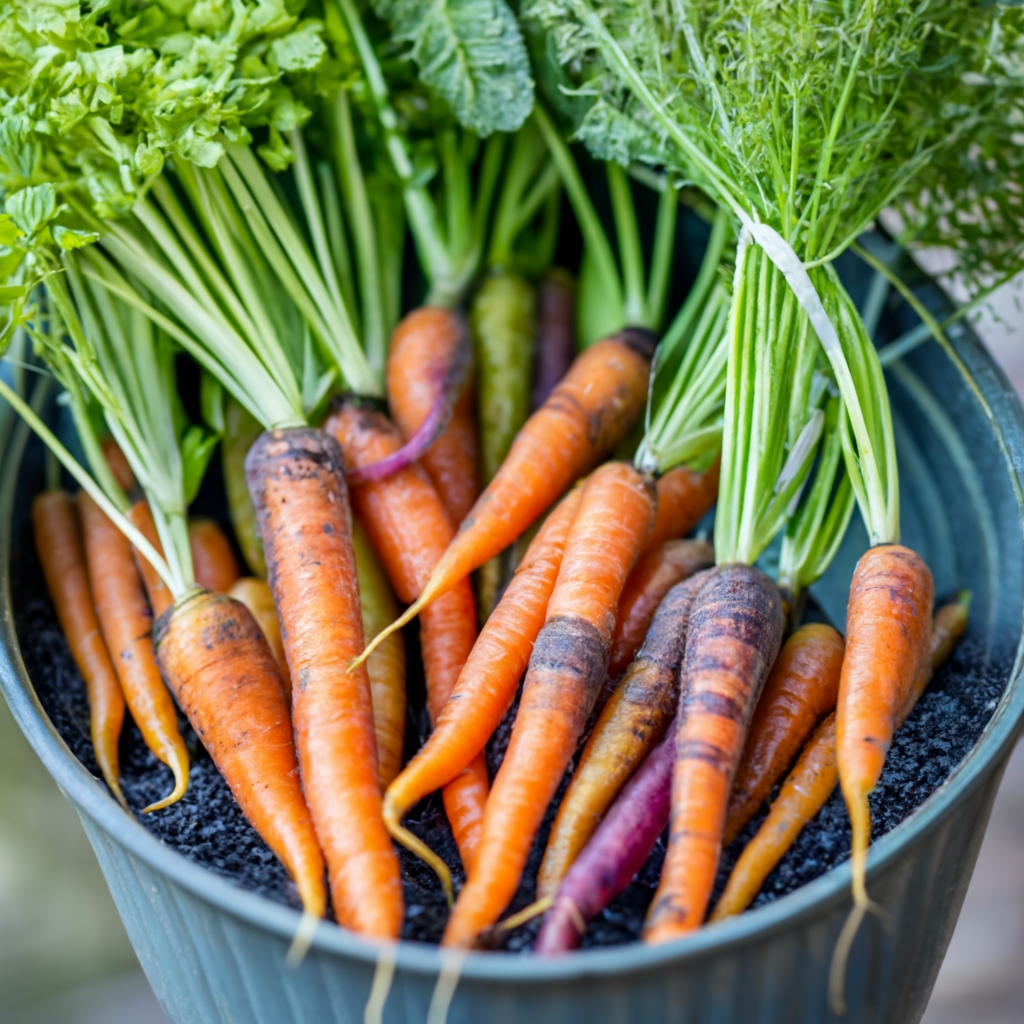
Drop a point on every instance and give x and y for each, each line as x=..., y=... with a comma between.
x=658, y=570
x=556, y=332
x=581, y=421
x=888, y=622
x=801, y=689
x=255, y=594
x=409, y=529
x=616, y=852
x=118, y=463
x=487, y=683
x=566, y=669
x=386, y=668
x=159, y=594
x=683, y=498
x=127, y=626
x=813, y=780
x=298, y=491
x=630, y=725
x=734, y=635
x=216, y=567
x=423, y=346
x=220, y=668
x=59, y=544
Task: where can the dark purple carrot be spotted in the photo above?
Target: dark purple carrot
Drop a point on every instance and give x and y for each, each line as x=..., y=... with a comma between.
x=556, y=332
x=615, y=853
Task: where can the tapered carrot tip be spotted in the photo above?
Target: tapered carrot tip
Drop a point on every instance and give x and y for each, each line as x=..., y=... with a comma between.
x=393, y=812
x=179, y=768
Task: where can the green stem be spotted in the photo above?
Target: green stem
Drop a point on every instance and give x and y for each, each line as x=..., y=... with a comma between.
x=631, y=254
x=87, y=484
x=661, y=257
x=598, y=247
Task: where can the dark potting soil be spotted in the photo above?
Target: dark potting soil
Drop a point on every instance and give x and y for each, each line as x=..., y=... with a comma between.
x=207, y=827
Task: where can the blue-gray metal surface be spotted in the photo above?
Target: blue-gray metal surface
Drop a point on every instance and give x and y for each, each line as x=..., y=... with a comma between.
x=215, y=954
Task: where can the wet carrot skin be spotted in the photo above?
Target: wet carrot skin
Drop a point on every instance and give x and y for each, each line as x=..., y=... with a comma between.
x=298, y=490
x=223, y=674
x=657, y=571
x=59, y=545
x=733, y=638
x=127, y=626
x=566, y=669
x=422, y=348
x=802, y=688
x=630, y=726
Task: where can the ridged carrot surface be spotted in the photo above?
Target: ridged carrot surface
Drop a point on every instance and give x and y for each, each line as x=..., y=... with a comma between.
x=224, y=676
x=298, y=491
x=888, y=626
x=802, y=688
x=734, y=636
x=656, y=572
x=488, y=681
x=629, y=727
x=566, y=669
x=410, y=530
x=583, y=418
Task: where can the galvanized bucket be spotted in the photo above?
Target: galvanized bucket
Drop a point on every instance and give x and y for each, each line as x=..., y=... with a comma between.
x=215, y=954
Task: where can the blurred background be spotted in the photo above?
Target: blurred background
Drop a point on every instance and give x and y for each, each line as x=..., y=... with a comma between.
x=65, y=959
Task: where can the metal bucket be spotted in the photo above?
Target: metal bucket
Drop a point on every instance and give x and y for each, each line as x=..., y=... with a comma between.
x=215, y=953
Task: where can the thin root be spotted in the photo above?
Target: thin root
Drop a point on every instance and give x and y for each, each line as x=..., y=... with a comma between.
x=403, y=620
x=302, y=940
x=383, y=975
x=180, y=785
x=535, y=909
x=447, y=981
x=416, y=845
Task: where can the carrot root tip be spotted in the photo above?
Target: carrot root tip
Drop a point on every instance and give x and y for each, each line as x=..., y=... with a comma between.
x=302, y=940
x=416, y=845
x=383, y=975
x=447, y=981
x=535, y=909
x=840, y=957
x=403, y=620
x=180, y=785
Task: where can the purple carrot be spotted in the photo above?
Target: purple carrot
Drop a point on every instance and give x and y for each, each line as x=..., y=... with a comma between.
x=449, y=384
x=615, y=853
x=556, y=332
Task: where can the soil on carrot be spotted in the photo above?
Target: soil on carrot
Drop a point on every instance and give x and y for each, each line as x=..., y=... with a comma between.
x=207, y=827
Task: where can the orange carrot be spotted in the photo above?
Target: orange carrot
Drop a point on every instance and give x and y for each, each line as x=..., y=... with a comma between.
x=255, y=594
x=160, y=596
x=213, y=559
x=386, y=667
x=801, y=689
x=409, y=529
x=630, y=726
x=298, y=491
x=566, y=669
x=581, y=421
x=216, y=660
x=813, y=779
x=658, y=570
x=487, y=683
x=59, y=544
x=734, y=635
x=118, y=463
x=127, y=625
x=422, y=348
x=683, y=498
x=888, y=624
